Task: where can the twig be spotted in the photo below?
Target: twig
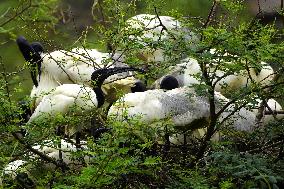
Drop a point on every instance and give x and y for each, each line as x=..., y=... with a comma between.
x=17, y=14
x=274, y=112
x=211, y=14
x=162, y=25
x=43, y=156
x=263, y=148
x=76, y=30
x=6, y=80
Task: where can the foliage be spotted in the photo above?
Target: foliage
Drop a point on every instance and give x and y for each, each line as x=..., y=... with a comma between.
x=132, y=154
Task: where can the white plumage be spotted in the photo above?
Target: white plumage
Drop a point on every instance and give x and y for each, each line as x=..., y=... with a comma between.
x=74, y=67
x=66, y=148
x=12, y=168
x=64, y=98
x=50, y=150
x=273, y=105
x=76, y=98
x=188, y=73
x=77, y=67
x=181, y=105
x=150, y=29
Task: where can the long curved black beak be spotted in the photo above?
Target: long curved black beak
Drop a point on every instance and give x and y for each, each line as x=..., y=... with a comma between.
x=100, y=75
x=31, y=53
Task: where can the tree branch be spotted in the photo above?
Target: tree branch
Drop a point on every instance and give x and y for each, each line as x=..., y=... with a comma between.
x=43, y=156
x=17, y=14
x=4, y=73
x=211, y=13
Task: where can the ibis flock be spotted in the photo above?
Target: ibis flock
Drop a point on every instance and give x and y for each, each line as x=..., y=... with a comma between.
x=85, y=80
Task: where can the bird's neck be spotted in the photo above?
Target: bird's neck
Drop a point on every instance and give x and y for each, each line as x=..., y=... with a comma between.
x=47, y=80
x=100, y=96
x=45, y=85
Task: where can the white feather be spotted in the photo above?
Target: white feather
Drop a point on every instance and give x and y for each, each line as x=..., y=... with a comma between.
x=64, y=97
x=181, y=105
x=76, y=67
x=151, y=29
x=50, y=150
x=188, y=73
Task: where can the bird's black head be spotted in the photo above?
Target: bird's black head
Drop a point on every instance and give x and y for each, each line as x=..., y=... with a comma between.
x=138, y=87
x=169, y=82
x=37, y=46
x=31, y=53
x=100, y=75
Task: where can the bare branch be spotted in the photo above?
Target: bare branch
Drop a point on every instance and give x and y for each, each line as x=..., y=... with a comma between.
x=211, y=13
x=43, y=156
x=17, y=14
x=162, y=25
x=4, y=74
x=263, y=147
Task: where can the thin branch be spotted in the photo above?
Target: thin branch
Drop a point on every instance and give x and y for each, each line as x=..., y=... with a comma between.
x=211, y=14
x=43, y=156
x=274, y=112
x=162, y=25
x=76, y=30
x=17, y=14
x=4, y=73
x=263, y=147
x=232, y=113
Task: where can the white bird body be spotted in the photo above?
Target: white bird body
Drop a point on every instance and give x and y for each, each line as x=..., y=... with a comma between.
x=152, y=30
x=63, y=99
x=156, y=105
x=12, y=168
x=151, y=22
x=46, y=84
x=242, y=79
x=181, y=105
x=273, y=105
x=76, y=67
x=50, y=150
x=188, y=73
x=63, y=67
x=75, y=99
